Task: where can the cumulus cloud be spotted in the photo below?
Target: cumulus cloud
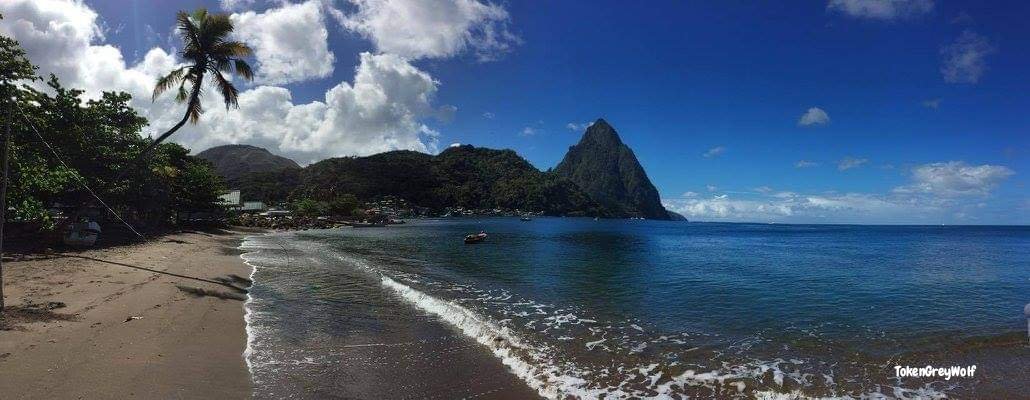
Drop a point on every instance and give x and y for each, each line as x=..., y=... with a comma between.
x=805, y=164
x=955, y=178
x=814, y=116
x=233, y=5
x=847, y=163
x=528, y=131
x=965, y=59
x=433, y=29
x=881, y=9
x=488, y=115
x=291, y=43
x=381, y=109
x=949, y=190
x=793, y=207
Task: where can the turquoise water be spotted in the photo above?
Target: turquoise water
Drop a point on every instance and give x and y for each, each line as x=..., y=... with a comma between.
x=617, y=308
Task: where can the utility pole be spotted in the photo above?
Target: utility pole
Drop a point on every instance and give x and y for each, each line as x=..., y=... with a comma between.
x=6, y=152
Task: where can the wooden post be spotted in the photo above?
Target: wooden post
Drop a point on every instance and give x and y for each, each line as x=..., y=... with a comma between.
x=6, y=152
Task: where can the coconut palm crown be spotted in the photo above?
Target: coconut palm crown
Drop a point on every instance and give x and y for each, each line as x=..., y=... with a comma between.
x=207, y=51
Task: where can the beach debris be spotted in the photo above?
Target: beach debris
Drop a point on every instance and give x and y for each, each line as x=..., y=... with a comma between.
x=133, y=318
x=201, y=292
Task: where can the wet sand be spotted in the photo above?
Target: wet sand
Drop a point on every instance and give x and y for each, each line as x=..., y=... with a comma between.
x=329, y=330
x=127, y=332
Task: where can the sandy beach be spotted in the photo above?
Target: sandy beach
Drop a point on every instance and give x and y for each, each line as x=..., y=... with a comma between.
x=119, y=331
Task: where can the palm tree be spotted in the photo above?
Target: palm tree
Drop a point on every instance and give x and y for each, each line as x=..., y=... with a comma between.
x=207, y=50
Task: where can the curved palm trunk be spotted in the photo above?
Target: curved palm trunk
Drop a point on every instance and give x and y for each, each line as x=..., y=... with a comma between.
x=194, y=97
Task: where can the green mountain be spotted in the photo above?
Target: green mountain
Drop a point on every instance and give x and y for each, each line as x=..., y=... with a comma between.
x=235, y=161
x=600, y=176
x=463, y=176
x=609, y=172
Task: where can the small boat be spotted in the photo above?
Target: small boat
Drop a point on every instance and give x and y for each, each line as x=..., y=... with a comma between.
x=82, y=234
x=525, y=219
x=397, y=222
x=477, y=238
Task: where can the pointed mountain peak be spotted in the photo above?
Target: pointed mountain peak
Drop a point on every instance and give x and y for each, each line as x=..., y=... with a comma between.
x=600, y=132
x=608, y=171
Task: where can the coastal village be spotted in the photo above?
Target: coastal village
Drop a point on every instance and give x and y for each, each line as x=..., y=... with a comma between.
x=388, y=210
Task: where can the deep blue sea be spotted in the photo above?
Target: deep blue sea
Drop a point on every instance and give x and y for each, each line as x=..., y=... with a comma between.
x=627, y=308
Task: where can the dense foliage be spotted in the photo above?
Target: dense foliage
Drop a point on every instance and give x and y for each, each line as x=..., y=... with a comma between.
x=97, y=140
x=465, y=176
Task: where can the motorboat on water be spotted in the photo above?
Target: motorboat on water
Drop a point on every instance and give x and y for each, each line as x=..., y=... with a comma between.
x=475, y=238
x=525, y=219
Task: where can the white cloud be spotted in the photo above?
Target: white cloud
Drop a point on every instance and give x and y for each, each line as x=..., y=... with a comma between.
x=792, y=207
x=932, y=103
x=847, y=163
x=763, y=189
x=805, y=164
x=432, y=29
x=528, y=131
x=291, y=43
x=689, y=194
x=964, y=60
x=955, y=178
x=234, y=5
x=488, y=115
x=714, y=152
x=814, y=116
x=881, y=9
x=711, y=188
x=937, y=192
x=380, y=110
x=572, y=126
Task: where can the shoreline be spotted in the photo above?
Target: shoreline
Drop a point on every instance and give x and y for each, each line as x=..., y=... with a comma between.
x=117, y=325
x=306, y=350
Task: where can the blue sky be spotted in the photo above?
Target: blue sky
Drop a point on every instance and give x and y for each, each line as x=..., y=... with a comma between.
x=857, y=111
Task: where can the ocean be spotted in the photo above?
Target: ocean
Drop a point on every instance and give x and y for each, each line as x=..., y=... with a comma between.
x=578, y=308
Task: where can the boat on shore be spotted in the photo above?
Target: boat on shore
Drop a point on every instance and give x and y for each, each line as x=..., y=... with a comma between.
x=475, y=238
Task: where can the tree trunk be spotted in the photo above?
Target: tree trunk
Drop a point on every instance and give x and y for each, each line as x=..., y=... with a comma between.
x=194, y=96
x=6, y=152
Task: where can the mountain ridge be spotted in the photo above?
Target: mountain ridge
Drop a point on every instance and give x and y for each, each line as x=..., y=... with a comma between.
x=600, y=176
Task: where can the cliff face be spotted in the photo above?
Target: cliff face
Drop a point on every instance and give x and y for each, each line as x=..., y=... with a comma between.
x=610, y=174
x=235, y=161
